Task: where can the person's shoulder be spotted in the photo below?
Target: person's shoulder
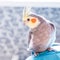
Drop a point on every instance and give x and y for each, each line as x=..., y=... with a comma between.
x=53, y=55
x=30, y=58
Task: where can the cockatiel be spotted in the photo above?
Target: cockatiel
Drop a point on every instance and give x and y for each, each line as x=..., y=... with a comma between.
x=42, y=34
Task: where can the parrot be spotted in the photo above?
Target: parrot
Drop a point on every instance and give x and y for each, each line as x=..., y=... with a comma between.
x=42, y=32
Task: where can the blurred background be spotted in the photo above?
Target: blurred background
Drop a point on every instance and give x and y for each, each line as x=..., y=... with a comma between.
x=14, y=34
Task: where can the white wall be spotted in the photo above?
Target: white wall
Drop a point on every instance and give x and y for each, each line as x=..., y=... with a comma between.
x=29, y=4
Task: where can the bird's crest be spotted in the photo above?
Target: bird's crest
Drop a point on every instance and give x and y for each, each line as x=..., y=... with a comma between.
x=26, y=12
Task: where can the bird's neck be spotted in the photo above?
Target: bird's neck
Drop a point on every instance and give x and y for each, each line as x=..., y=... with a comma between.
x=36, y=28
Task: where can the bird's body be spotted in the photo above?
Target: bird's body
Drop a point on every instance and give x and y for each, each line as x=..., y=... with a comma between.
x=40, y=36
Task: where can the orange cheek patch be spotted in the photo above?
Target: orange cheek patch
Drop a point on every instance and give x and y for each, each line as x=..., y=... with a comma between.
x=33, y=20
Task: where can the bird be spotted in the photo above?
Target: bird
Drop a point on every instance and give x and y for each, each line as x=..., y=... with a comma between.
x=42, y=34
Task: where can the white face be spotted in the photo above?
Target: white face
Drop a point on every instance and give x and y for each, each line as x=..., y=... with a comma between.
x=32, y=22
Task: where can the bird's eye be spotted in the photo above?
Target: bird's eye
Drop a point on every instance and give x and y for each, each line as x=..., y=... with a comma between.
x=28, y=19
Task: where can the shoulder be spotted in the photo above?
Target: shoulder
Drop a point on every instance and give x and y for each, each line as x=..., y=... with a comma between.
x=30, y=58
x=48, y=55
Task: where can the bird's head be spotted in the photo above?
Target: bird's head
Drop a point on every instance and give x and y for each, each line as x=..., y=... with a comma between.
x=30, y=20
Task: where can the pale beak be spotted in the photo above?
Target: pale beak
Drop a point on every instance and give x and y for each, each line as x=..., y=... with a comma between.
x=24, y=22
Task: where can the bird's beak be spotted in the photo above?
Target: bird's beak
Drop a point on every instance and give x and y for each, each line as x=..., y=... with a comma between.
x=24, y=22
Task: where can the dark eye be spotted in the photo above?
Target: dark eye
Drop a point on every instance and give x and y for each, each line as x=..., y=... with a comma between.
x=28, y=19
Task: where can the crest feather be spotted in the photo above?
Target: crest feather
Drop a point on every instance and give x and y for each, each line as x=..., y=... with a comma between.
x=26, y=12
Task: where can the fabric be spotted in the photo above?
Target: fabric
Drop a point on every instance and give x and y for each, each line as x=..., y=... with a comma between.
x=46, y=55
